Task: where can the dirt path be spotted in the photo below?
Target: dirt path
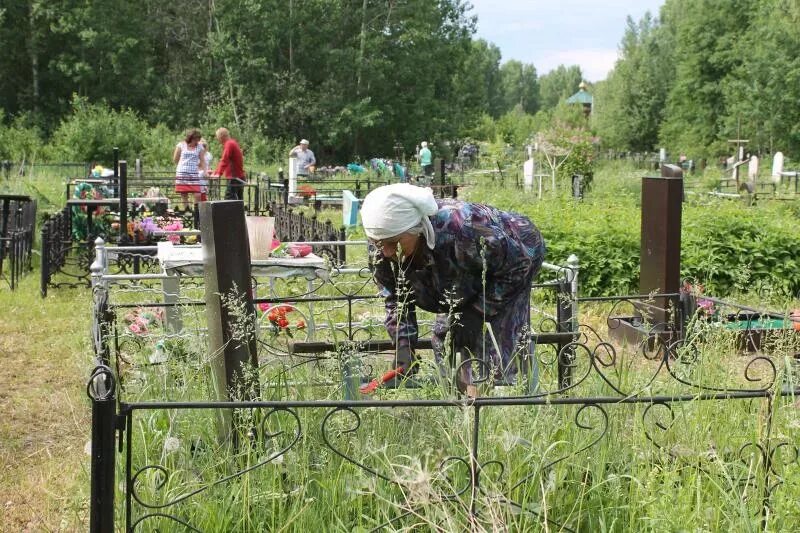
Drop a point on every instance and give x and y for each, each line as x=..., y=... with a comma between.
x=44, y=413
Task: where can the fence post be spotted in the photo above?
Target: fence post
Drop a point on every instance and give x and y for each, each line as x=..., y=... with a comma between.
x=102, y=392
x=44, y=279
x=285, y=190
x=342, y=248
x=123, y=202
x=564, y=324
x=574, y=268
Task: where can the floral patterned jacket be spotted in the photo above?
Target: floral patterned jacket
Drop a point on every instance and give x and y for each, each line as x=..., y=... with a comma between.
x=482, y=260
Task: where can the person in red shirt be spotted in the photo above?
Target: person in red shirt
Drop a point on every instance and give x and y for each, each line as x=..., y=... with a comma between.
x=231, y=165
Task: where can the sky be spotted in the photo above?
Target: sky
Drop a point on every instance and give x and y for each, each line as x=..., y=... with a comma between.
x=548, y=33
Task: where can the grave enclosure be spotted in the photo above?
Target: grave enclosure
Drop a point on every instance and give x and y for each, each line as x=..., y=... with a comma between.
x=67, y=237
x=281, y=397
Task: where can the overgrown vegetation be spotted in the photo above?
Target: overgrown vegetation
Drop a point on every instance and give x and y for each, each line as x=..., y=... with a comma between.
x=726, y=245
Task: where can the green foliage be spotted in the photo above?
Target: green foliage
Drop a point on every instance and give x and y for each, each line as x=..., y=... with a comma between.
x=558, y=85
x=515, y=127
x=520, y=86
x=741, y=248
x=20, y=140
x=93, y=130
x=726, y=246
x=630, y=103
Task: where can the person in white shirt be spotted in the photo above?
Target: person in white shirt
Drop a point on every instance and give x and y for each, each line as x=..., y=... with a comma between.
x=306, y=161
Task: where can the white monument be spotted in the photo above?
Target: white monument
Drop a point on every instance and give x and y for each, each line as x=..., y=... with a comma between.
x=528, y=170
x=350, y=206
x=293, y=164
x=777, y=167
x=752, y=169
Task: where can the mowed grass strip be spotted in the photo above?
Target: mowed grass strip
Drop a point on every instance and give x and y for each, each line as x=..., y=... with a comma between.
x=45, y=422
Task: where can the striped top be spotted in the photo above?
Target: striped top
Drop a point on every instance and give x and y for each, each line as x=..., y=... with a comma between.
x=188, y=170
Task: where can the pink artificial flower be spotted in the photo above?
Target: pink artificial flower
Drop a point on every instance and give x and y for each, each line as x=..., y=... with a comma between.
x=264, y=307
x=134, y=328
x=706, y=306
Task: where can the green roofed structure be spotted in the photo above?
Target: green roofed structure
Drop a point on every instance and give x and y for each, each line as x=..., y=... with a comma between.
x=582, y=97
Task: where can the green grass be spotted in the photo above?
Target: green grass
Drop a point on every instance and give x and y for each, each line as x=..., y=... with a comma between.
x=648, y=472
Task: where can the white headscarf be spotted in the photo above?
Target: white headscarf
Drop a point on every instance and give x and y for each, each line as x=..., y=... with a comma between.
x=393, y=209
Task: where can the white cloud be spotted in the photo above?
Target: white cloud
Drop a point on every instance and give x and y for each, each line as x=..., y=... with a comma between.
x=595, y=63
x=548, y=33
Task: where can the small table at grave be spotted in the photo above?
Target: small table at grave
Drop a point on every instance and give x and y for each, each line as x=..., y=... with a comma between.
x=178, y=261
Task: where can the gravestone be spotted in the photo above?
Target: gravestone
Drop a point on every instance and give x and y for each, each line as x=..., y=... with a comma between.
x=439, y=170
x=231, y=333
x=661, y=237
x=350, y=207
x=752, y=169
x=777, y=167
x=528, y=170
x=293, y=164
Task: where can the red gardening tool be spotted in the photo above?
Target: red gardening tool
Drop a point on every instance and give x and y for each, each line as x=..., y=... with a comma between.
x=389, y=375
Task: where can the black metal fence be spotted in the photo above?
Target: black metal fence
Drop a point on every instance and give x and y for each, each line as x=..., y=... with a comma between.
x=17, y=224
x=58, y=250
x=13, y=169
x=599, y=380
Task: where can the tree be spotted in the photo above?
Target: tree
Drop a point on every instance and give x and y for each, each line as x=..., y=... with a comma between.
x=478, y=83
x=520, y=86
x=631, y=101
x=697, y=114
x=558, y=84
x=770, y=69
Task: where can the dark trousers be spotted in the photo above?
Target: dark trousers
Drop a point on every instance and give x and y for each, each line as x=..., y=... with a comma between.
x=235, y=189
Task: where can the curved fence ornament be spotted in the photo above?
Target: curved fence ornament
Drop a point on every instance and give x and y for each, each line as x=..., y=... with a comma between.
x=163, y=474
x=102, y=384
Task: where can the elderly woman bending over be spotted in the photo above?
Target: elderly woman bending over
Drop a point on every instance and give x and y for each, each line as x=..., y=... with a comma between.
x=469, y=263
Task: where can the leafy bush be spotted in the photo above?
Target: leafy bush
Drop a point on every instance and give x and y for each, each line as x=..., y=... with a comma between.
x=20, y=140
x=726, y=246
x=92, y=131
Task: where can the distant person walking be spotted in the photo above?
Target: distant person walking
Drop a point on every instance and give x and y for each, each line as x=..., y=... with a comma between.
x=426, y=159
x=231, y=165
x=306, y=161
x=204, y=174
x=189, y=155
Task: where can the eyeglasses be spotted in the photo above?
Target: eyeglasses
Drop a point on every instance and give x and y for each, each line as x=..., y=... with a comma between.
x=386, y=242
